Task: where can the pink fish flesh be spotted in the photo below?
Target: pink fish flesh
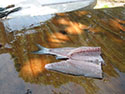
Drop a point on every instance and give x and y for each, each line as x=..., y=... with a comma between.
x=74, y=67
x=91, y=54
x=84, y=61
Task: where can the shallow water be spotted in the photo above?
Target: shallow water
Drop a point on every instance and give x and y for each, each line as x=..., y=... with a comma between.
x=20, y=70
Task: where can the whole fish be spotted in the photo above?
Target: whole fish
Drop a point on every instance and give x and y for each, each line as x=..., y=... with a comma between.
x=91, y=54
x=74, y=67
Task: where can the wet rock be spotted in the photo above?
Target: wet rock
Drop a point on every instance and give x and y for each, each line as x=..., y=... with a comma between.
x=28, y=91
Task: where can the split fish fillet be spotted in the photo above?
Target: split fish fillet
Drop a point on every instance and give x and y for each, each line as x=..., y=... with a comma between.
x=75, y=67
x=90, y=54
x=84, y=61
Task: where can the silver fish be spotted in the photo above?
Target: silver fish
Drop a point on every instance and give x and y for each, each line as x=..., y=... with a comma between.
x=90, y=54
x=74, y=67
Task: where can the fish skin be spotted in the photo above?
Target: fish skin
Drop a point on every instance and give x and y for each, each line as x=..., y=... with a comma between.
x=79, y=68
x=90, y=54
x=46, y=51
x=82, y=61
x=60, y=53
x=41, y=50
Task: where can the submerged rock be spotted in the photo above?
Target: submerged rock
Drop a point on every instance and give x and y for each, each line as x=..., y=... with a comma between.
x=0, y=45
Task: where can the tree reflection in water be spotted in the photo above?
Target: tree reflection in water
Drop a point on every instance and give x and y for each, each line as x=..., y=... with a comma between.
x=101, y=33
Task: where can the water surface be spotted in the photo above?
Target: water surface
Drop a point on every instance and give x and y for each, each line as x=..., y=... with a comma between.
x=20, y=70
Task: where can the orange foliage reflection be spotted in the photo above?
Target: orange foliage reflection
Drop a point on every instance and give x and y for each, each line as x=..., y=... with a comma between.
x=58, y=37
x=115, y=25
x=81, y=13
x=73, y=27
x=32, y=68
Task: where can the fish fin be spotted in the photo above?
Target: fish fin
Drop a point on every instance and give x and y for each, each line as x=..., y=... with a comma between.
x=61, y=57
x=41, y=50
x=39, y=46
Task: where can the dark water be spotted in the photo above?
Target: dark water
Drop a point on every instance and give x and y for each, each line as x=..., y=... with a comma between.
x=23, y=73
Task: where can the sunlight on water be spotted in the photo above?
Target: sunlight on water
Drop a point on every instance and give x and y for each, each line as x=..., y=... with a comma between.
x=20, y=70
x=32, y=68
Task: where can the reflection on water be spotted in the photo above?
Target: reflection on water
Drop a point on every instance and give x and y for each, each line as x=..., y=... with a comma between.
x=65, y=30
x=32, y=69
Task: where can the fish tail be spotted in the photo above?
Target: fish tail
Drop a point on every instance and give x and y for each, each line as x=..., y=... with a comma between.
x=41, y=50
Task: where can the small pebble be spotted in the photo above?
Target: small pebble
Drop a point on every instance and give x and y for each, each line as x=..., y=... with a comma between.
x=63, y=32
x=0, y=45
x=28, y=91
